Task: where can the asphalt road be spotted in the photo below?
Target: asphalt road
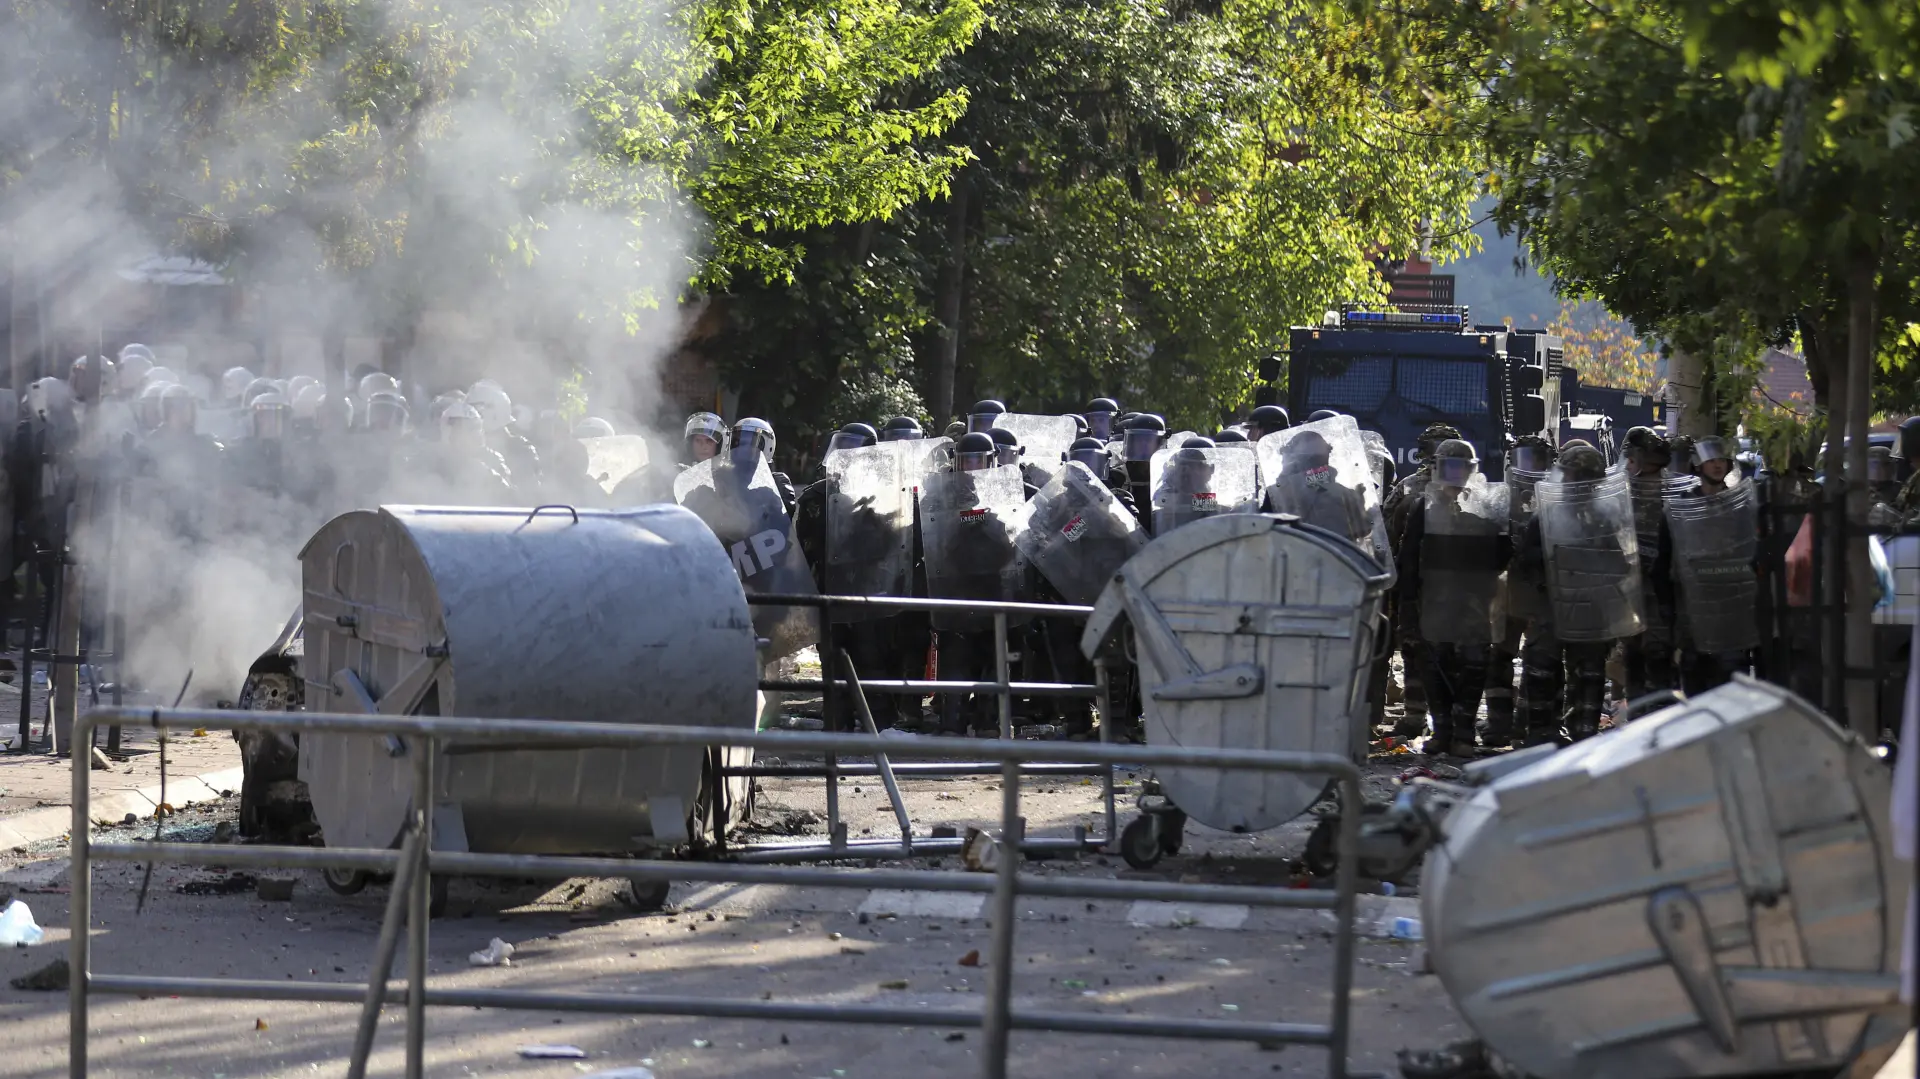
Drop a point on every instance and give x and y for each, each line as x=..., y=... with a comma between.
x=851, y=946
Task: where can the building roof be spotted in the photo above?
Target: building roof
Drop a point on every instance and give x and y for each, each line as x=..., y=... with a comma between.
x=1783, y=381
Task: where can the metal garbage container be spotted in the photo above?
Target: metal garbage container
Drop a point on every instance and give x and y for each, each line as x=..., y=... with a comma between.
x=1710, y=890
x=1253, y=631
x=618, y=616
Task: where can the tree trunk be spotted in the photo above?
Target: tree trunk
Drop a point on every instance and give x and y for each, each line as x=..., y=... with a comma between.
x=1686, y=379
x=1862, y=714
x=950, y=307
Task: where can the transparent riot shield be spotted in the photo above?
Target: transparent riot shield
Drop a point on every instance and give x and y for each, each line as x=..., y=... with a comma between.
x=1045, y=438
x=1592, y=556
x=1714, y=541
x=870, y=522
x=1191, y=484
x=1079, y=536
x=1526, y=596
x=1319, y=472
x=1649, y=509
x=1380, y=458
x=745, y=512
x=920, y=456
x=612, y=458
x=970, y=523
x=1460, y=561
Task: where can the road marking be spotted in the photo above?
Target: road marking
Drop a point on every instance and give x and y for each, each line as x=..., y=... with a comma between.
x=923, y=904
x=1150, y=914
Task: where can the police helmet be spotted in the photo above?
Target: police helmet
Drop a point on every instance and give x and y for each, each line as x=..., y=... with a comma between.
x=387, y=411
x=1090, y=452
x=1266, y=420
x=178, y=410
x=974, y=451
x=1226, y=435
x=983, y=415
x=900, y=429
x=234, y=383
x=1531, y=453
x=1322, y=414
x=852, y=437
x=1455, y=462
x=752, y=436
x=268, y=415
x=1100, y=414
x=488, y=399
x=334, y=414
x=1580, y=461
x=595, y=427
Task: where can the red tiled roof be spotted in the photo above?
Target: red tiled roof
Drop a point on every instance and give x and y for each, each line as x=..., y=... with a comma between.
x=1783, y=381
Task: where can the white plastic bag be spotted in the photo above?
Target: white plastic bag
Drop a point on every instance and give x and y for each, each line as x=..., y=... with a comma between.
x=17, y=927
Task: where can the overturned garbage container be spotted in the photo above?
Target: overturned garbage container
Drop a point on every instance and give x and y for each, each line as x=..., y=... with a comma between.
x=627, y=616
x=1253, y=631
x=1710, y=890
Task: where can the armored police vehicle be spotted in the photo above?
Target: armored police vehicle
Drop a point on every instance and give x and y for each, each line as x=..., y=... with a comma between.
x=1399, y=371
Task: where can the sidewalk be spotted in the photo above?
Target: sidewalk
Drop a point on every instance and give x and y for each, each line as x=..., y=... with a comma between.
x=36, y=790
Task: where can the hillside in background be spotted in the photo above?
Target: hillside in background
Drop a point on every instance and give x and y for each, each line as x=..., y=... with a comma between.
x=1499, y=286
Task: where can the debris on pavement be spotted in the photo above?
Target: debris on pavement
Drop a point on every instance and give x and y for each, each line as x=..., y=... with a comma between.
x=552, y=1052
x=274, y=889
x=979, y=851
x=621, y=1073
x=51, y=978
x=971, y=959
x=229, y=884
x=497, y=953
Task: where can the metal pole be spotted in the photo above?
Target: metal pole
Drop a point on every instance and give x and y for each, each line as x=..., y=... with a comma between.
x=29, y=619
x=1345, y=878
x=80, y=914
x=997, y=1025
x=1002, y=677
x=420, y=900
x=412, y=853
x=880, y=761
x=1102, y=678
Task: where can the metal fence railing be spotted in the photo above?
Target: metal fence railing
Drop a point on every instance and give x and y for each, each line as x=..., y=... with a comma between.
x=849, y=683
x=413, y=865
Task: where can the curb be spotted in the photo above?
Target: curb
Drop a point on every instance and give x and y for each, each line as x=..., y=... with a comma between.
x=56, y=821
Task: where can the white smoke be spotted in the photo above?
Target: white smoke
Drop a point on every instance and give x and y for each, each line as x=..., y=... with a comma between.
x=491, y=225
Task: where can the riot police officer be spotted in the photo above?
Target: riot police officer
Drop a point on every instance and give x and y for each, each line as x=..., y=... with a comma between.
x=1398, y=507
x=1582, y=530
x=1458, y=543
x=1709, y=549
x=755, y=435
x=1649, y=655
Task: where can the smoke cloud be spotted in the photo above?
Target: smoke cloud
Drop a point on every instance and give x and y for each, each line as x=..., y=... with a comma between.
x=450, y=191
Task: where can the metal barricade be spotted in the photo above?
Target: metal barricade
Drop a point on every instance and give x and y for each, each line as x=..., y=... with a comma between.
x=414, y=864
x=838, y=847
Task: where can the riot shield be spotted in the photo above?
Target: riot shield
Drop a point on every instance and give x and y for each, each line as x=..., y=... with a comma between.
x=1379, y=457
x=745, y=512
x=1592, y=556
x=612, y=458
x=1045, y=438
x=1460, y=561
x=1650, y=507
x=1714, y=541
x=1319, y=472
x=1191, y=484
x=1525, y=589
x=1079, y=535
x=970, y=523
x=920, y=456
x=870, y=523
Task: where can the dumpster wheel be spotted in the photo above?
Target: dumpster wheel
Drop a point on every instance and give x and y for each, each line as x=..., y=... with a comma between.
x=346, y=881
x=646, y=896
